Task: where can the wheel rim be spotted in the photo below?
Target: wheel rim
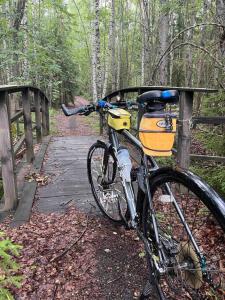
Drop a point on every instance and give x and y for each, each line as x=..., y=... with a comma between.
x=108, y=191
x=185, y=277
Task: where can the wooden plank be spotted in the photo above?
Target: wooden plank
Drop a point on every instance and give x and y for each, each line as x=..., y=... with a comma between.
x=19, y=88
x=16, y=116
x=142, y=89
x=207, y=157
x=101, y=122
x=184, y=129
x=37, y=101
x=203, y=157
x=208, y=120
x=28, y=126
x=47, y=116
x=23, y=211
x=7, y=156
x=44, y=108
x=19, y=144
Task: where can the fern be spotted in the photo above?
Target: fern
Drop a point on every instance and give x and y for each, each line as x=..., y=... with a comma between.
x=8, y=267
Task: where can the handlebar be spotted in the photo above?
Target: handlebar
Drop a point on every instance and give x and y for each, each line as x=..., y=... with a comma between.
x=87, y=109
x=71, y=111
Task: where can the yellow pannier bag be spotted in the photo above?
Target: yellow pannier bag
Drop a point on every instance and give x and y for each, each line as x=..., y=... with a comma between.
x=157, y=133
x=119, y=118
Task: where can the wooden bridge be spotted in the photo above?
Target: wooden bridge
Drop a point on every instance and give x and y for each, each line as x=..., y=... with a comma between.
x=33, y=113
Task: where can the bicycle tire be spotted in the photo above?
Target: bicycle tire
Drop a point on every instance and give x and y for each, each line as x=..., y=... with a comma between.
x=201, y=207
x=113, y=188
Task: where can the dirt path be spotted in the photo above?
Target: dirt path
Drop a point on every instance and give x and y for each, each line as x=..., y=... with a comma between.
x=76, y=254
x=74, y=125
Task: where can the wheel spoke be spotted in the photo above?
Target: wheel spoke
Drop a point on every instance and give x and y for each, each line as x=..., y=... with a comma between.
x=186, y=276
x=107, y=189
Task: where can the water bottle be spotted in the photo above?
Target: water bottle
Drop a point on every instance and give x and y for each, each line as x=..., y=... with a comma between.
x=124, y=164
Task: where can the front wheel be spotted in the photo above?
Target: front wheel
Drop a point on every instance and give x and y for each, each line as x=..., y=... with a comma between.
x=187, y=275
x=105, y=182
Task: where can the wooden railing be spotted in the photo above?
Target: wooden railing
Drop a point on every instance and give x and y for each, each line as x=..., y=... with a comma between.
x=40, y=107
x=185, y=120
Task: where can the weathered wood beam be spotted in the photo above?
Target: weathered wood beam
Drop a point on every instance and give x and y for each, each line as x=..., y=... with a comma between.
x=142, y=89
x=208, y=120
x=7, y=156
x=207, y=157
x=16, y=116
x=19, y=144
x=28, y=125
x=45, y=115
x=37, y=102
x=184, y=129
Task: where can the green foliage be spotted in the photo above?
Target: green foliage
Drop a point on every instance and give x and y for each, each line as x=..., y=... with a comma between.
x=8, y=266
x=43, y=54
x=166, y=161
x=213, y=141
x=213, y=175
x=214, y=104
x=53, y=126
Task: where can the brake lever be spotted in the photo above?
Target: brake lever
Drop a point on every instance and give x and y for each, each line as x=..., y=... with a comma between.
x=85, y=113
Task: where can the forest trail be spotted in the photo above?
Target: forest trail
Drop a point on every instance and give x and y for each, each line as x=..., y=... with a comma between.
x=70, y=251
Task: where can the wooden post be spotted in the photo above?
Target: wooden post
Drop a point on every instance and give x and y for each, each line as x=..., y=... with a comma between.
x=45, y=116
x=28, y=125
x=141, y=111
x=101, y=121
x=184, y=129
x=7, y=156
x=37, y=103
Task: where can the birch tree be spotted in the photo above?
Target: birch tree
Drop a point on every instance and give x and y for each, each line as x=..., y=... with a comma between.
x=96, y=66
x=110, y=54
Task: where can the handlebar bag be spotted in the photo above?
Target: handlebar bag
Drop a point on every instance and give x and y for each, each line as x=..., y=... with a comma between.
x=157, y=133
x=119, y=118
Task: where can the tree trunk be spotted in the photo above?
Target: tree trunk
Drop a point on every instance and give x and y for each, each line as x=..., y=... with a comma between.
x=189, y=38
x=19, y=8
x=220, y=12
x=145, y=57
x=120, y=47
x=96, y=68
x=110, y=54
x=163, y=42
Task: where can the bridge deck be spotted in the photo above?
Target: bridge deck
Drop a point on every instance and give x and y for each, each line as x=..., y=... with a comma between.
x=65, y=165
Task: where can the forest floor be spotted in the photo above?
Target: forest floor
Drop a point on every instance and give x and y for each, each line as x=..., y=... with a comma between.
x=76, y=255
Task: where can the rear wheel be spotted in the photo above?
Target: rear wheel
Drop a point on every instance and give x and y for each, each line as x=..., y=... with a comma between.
x=187, y=275
x=105, y=182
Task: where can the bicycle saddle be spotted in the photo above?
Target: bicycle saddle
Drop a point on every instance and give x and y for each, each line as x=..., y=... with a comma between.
x=167, y=96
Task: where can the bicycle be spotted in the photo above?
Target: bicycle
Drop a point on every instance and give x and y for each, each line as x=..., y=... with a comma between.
x=179, y=218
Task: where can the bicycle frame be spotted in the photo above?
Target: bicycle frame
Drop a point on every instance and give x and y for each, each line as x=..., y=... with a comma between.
x=114, y=141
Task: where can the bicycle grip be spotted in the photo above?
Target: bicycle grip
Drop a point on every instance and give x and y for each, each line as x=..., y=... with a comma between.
x=71, y=111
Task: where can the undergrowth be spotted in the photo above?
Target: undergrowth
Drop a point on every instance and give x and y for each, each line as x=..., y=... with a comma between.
x=8, y=267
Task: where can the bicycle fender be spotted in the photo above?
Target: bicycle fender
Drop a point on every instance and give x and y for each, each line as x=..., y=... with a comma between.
x=209, y=197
